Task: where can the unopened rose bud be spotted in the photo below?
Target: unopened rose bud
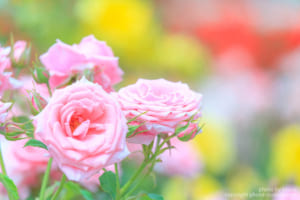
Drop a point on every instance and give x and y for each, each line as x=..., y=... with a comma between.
x=19, y=50
x=189, y=133
x=40, y=75
x=37, y=101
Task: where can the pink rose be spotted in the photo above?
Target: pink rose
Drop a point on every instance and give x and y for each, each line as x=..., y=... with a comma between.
x=7, y=82
x=3, y=111
x=5, y=62
x=182, y=153
x=84, y=129
x=24, y=165
x=64, y=61
x=19, y=48
x=165, y=105
x=287, y=193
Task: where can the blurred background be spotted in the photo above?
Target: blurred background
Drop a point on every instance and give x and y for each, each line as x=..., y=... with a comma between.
x=242, y=55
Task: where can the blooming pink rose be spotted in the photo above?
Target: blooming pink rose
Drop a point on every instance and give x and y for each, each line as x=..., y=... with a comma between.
x=84, y=129
x=64, y=61
x=183, y=152
x=3, y=111
x=287, y=193
x=165, y=105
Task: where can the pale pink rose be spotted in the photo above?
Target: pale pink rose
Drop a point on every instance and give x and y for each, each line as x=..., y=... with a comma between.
x=287, y=193
x=5, y=62
x=64, y=61
x=84, y=129
x=24, y=165
x=165, y=105
x=172, y=159
x=19, y=48
x=7, y=82
x=3, y=111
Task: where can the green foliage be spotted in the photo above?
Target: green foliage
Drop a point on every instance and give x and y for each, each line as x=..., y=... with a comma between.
x=10, y=187
x=35, y=143
x=151, y=196
x=40, y=74
x=73, y=191
x=108, y=183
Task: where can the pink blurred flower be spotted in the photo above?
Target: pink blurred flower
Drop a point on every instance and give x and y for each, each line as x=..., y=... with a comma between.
x=287, y=193
x=84, y=129
x=63, y=61
x=24, y=165
x=172, y=159
x=164, y=105
x=19, y=48
x=7, y=82
x=3, y=111
x=29, y=84
x=245, y=90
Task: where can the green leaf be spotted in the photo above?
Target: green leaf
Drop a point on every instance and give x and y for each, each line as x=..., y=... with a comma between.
x=86, y=194
x=108, y=183
x=35, y=143
x=10, y=187
x=151, y=196
x=73, y=190
x=155, y=196
x=186, y=137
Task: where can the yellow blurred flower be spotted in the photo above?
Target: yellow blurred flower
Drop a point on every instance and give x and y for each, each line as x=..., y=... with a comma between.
x=285, y=159
x=202, y=188
x=180, y=55
x=205, y=187
x=128, y=26
x=243, y=180
x=216, y=146
x=176, y=188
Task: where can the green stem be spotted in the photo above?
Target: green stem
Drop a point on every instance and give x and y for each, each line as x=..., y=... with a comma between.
x=49, y=89
x=45, y=180
x=132, y=179
x=118, y=195
x=144, y=164
x=61, y=186
x=2, y=162
x=140, y=181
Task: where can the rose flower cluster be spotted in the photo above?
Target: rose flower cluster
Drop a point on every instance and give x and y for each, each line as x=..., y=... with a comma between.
x=78, y=127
